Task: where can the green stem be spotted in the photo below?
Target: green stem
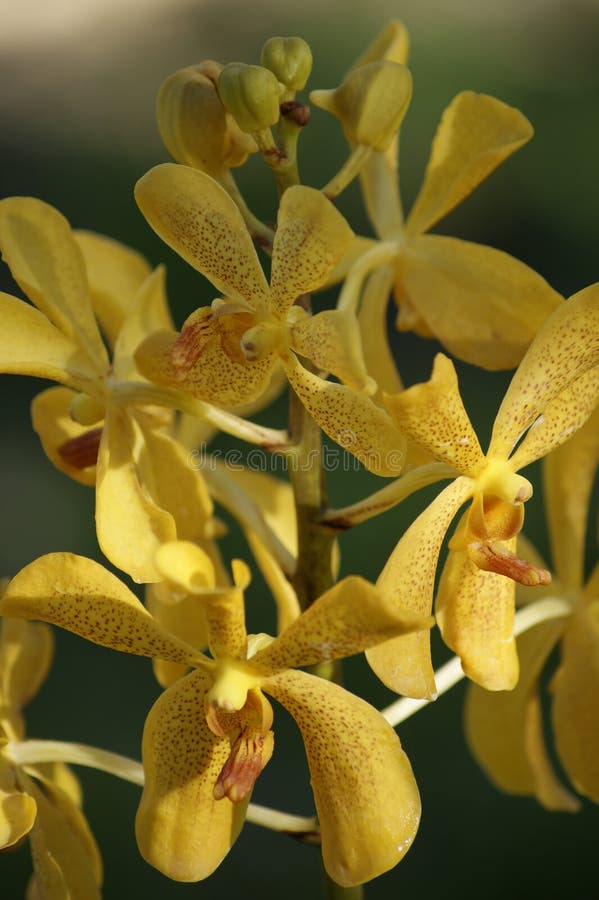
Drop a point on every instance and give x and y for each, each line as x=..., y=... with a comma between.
x=334, y=891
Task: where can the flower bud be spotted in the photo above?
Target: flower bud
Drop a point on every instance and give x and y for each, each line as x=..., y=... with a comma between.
x=251, y=94
x=194, y=125
x=290, y=59
x=370, y=103
x=392, y=44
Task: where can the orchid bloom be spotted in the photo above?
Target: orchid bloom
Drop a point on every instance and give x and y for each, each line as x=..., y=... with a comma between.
x=552, y=393
x=227, y=353
x=483, y=305
x=40, y=802
x=208, y=736
x=91, y=427
x=505, y=731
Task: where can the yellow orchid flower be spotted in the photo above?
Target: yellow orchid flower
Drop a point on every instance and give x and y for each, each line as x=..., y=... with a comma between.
x=227, y=353
x=552, y=393
x=40, y=802
x=505, y=731
x=482, y=304
x=208, y=736
x=89, y=426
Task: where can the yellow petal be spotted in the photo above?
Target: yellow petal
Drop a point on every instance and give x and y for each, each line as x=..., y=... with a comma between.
x=364, y=788
x=475, y=134
x=312, y=237
x=213, y=376
x=350, y=617
x=404, y=663
x=196, y=217
x=17, y=810
x=561, y=418
x=225, y=615
x=432, y=415
x=38, y=245
x=31, y=345
x=182, y=616
x=504, y=728
x=393, y=44
x=285, y=597
x=482, y=304
x=175, y=484
x=147, y=312
x=129, y=524
x=565, y=348
x=475, y=613
x=115, y=273
x=181, y=829
x=61, y=844
x=52, y=421
x=25, y=658
x=350, y=419
x=575, y=712
x=356, y=249
x=187, y=567
x=331, y=341
x=80, y=595
x=372, y=320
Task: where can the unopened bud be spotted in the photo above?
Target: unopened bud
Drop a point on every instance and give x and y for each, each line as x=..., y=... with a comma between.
x=370, y=103
x=290, y=59
x=196, y=128
x=251, y=94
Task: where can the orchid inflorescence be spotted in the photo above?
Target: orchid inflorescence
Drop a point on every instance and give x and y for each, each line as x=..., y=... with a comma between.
x=135, y=396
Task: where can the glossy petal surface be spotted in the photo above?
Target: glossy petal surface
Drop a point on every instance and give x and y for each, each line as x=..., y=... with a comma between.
x=55, y=427
x=331, y=340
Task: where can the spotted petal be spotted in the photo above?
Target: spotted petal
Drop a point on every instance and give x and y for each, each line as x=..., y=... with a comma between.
x=331, y=341
x=80, y=595
x=311, y=239
x=497, y=303
x=115, y=273
x=504, y=728
x=404, y=663
x=197, y=218
x=45, y=261
x=366, y=796
x=182, y=616
x=350, y=419
x=566, y=347
x=181, y=829
x=475, y=134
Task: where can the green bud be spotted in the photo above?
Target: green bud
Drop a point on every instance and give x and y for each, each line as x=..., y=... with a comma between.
x=196, y=128
x=251, y=94
x=290, y=59
x=370, y=103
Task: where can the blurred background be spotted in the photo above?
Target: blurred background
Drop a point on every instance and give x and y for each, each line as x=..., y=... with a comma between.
x=77, y=88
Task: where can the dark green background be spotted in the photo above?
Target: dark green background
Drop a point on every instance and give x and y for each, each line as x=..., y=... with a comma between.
x=78, y=132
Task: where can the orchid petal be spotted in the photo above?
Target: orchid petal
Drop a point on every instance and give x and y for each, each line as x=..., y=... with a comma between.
x=475, y=134
x=565, y=348
x=182, y=616
x=311, y=239
x=432, y=415
x=575, y=712
x=25, y=657
x=560, y=419
x=404, y=663
x=331, y=341
x=31, y=345
x=131, y=540
x=365, y=792
x=196, y=217
x=115, y=273
x=350, y=419
x=213, y=376
x=497, y=303
x=80, y=595
x=372, y=320
x=17, y=810
x=475, y=613
x=54, y=426
x=356, y=249
x=38, y=245
x=225, y=615
x=147, y=312
x=504, y=729
x=347, y=619
x=181, y=829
